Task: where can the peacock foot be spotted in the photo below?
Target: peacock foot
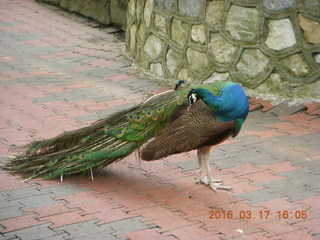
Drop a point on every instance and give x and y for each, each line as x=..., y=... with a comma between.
x=205, y=179
x=216, y=186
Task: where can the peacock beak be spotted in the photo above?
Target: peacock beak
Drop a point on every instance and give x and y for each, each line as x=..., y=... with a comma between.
x=192, y=98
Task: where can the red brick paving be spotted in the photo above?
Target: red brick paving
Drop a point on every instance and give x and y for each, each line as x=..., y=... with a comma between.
x=265, y=105
x=66, y=218
x=146, y=235
x=20, y=222
x=165, y=196
x=50, y=210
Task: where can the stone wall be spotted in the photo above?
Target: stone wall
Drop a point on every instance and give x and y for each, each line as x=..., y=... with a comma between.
x=103, y=11
x=270, y=46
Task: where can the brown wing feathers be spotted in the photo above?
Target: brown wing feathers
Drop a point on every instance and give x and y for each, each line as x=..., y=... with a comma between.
x=189, y=130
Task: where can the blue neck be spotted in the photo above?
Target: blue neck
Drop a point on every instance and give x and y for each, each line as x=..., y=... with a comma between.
x=208, y=98
x=231, y=104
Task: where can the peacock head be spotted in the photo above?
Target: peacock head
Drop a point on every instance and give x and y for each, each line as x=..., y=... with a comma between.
x=193, y=96
x=229, y=104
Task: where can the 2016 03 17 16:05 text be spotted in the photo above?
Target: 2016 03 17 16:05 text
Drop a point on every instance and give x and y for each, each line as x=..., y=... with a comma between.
x=264, y=214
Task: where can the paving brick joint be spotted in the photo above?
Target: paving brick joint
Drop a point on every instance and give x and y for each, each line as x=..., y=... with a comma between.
x=59, y=73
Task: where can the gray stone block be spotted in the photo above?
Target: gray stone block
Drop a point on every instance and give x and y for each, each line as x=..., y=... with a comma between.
x=84, y=230
x=284, y=109
x=97, y=236
x=187, y=165
x=258, y=196
x=11, y=212
x=9, y=237
x=128, y=225
x=21, y=193
x=36, y=201
x=50, y=98
x=298, y=194
x=277, y=186
x=4, y=203
x=234, y=147
x=66, y=189
x=35, y=232
x=227, y=163
x=85, y=118
x=61, y=236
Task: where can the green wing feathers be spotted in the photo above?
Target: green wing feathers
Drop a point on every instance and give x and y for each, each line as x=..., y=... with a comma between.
x=104, y=142
x=100, y=144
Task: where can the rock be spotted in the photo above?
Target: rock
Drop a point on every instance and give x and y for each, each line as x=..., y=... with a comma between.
x=198, y=61
x=281, y=34
x=311, y=29
x=252, y=63
x=131, y=9
x=179, y=31
x=185, y=75
x=166, y=4
x=98, y=10
x=311, y=90
x=214, y=12
x=295, y=65
x=118, y=12
x=216, y=76
x=153, y=47
x=222, y=50
x=198, y=33
x=173, y=60
x=142, y=32
x=139, y=8
x=132, y=32
x=312, y=7
x=148, y=11
x=159, y=22
x=274, y=85
x=191, y=8
x=317, y=57
x=242, y=23
x=142, y=60
x=276, y=5
x=156, y=68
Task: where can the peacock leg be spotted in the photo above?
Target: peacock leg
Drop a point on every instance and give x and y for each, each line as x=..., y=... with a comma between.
x=91, y=173
x=203, y=157
x=201, y=178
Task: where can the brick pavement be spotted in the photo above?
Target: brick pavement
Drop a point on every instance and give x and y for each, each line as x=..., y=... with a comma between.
x=60, y=72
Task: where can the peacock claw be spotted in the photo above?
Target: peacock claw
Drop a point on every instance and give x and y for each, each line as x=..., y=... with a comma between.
x=205, y=180
x=216, y=186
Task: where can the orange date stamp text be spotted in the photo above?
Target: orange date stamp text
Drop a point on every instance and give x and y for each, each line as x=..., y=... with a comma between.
x=265, y=214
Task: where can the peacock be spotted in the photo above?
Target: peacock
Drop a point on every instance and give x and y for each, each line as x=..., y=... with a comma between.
x=175, y=121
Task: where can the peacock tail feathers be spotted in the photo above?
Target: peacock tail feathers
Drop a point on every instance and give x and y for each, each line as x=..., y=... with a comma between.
x=104, y=142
